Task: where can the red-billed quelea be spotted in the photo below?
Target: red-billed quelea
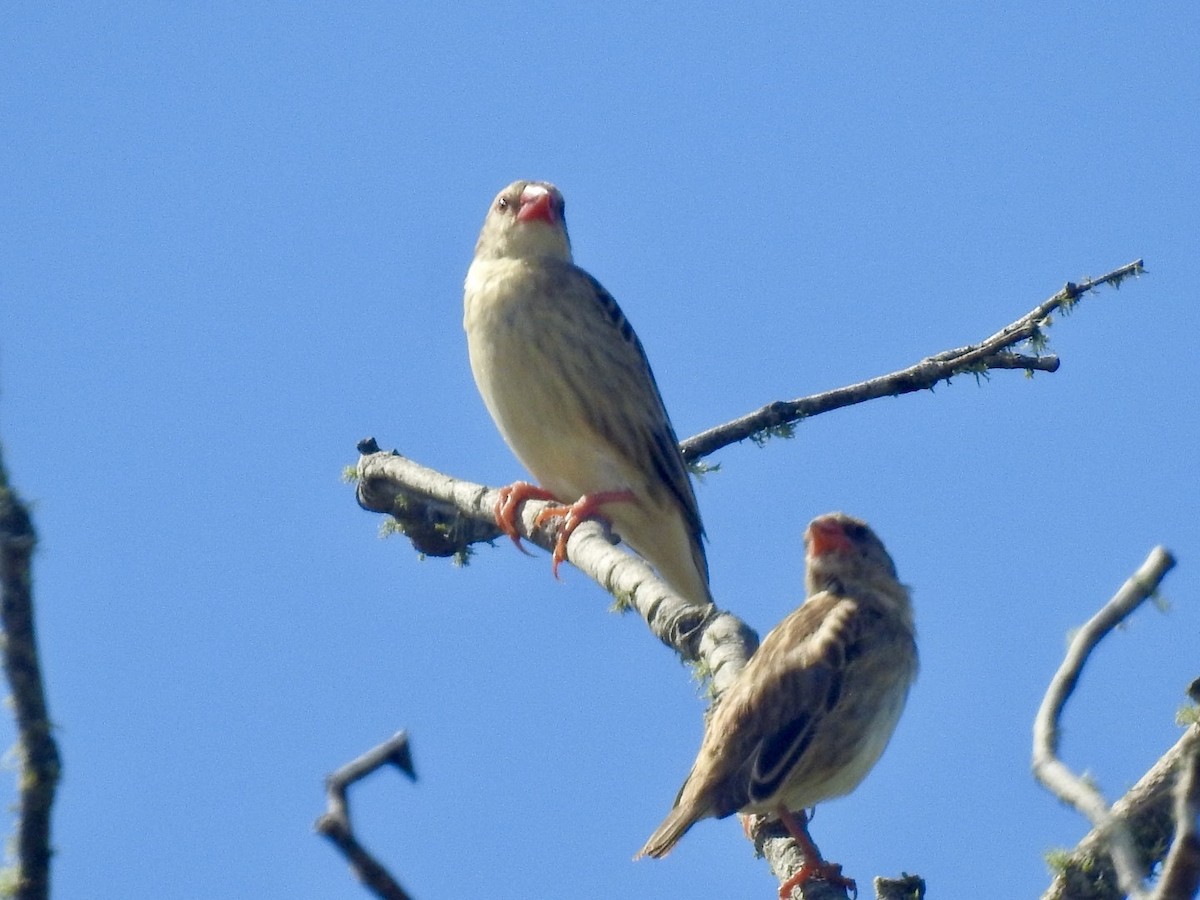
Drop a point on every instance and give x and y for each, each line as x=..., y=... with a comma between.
x=814, y=708
x=568, y=384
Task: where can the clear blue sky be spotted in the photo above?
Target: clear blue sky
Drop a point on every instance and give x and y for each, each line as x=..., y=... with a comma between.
x=234, y=244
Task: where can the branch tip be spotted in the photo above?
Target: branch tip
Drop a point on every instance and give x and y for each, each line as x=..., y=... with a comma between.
x=335, y=822
x=995, y=352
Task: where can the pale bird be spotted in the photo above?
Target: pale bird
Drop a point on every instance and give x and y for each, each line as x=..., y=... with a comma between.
x=812, y=711
x=568, y=384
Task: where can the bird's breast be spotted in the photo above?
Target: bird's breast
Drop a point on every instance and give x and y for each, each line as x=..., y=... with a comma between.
x=524, y=336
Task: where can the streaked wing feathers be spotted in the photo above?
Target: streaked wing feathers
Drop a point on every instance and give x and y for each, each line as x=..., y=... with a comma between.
x=653, y=438
x=796, y=682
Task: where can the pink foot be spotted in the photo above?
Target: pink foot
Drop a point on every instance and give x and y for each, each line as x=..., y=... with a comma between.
x=509, y=504
x=814, y=866
x=586, y=507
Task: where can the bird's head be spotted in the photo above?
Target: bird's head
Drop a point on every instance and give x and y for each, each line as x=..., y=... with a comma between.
x=842, y=548
x=526, y=221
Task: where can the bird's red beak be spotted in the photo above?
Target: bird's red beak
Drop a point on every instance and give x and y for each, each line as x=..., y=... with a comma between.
x=826, y=536
x=537, y=203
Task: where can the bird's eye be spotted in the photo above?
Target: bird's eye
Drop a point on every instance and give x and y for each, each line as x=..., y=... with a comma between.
x=502, y=204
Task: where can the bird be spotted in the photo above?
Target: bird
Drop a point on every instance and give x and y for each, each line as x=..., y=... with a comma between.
x=815, y=706
x=567, y=382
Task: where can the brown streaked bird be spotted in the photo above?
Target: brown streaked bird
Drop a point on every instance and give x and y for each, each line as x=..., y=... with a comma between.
x=568, y=384
x=809, y=716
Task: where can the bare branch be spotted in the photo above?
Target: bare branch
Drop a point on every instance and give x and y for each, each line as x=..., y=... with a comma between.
x=1145, y=812
x=785, y=858
x=716, y=640
x=772, y=842
x=39, y=762
x=1180, y=877
x=991, y=353
x=336, y=825
x=1047, y=767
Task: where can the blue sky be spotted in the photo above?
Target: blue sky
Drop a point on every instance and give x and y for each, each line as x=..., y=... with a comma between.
x=235, y=239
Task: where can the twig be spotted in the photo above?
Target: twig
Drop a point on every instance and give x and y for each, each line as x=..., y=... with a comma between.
x=991, y=353
x=335, y=823
x=40, y=766
x=1047, y=767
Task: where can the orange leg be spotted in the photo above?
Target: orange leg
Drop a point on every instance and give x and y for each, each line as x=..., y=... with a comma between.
x=814, y=866
x=586, y=507
x=511, y=498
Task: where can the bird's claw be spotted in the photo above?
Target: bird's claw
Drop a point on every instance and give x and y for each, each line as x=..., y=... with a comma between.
x=586, y=507
x=573, y=515
x=814, y=865
x=821, y=871
x=509, y=505
x=564, y=534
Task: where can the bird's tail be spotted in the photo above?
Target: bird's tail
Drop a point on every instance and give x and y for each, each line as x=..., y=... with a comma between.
x=674, y=826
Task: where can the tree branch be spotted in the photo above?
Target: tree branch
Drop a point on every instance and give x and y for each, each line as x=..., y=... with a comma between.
x=990, y=353
x=1048, y=768
x=1087, y=873
x=335, y=823
x=776, y=846
x=718, y=641
x=1180, y=877
x=39, y=762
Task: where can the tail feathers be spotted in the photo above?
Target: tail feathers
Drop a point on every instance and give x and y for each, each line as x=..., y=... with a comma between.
x=661, y=535
x=674, y=826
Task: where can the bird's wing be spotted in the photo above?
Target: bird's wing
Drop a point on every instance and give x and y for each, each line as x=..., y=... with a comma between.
x=789, y=687
x=647, y=434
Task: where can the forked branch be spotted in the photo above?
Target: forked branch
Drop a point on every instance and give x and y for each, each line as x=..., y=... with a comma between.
x=1129, y=859
x=337, y=826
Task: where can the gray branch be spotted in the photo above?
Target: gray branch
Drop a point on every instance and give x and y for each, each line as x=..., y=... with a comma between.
x=776, y=846
x=438, y=508
x=336, y=825
x=1049, y=769
x=718, y=641
x=991, y=353
x=1087, y=873
x=1180, y=877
